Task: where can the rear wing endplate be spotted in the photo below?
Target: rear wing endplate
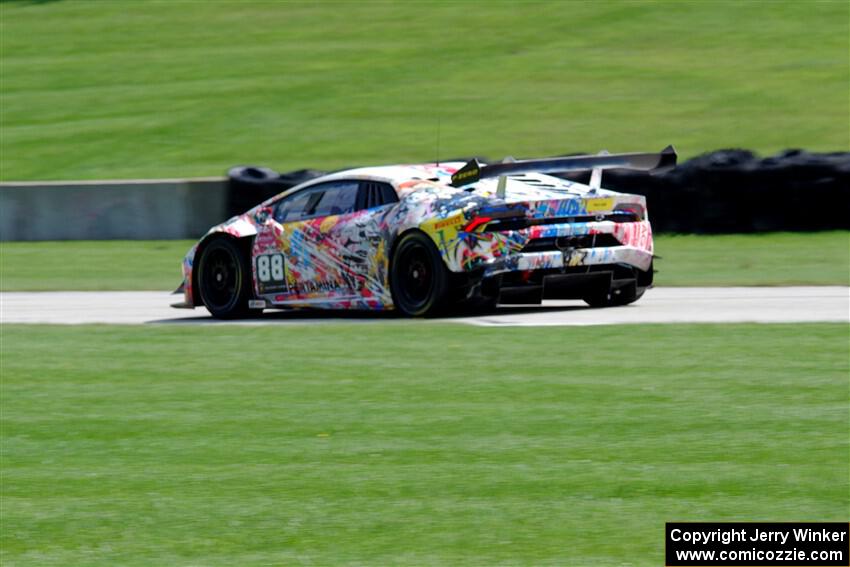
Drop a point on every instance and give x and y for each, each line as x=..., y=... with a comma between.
x=473, y=170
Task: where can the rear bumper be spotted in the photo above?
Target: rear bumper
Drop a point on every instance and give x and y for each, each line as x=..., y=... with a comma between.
x=559, y=261
x=558, y=246
x=576, y=284
x=570, y=258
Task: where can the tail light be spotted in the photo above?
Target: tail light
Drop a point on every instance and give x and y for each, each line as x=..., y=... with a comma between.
x=634, y=209
x=476, y=222
x=488, y=219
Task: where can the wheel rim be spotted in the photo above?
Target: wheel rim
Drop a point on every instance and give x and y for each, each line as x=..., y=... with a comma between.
x=221, y=278
x=417, y=276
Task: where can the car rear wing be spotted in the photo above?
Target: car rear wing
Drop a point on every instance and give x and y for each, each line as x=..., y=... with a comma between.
x=474, y=171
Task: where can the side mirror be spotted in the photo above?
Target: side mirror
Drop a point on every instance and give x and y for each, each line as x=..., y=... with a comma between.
x=262, y=215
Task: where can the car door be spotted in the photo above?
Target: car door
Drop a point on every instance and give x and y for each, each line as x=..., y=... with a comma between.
x=359, y=241
x=295, y=260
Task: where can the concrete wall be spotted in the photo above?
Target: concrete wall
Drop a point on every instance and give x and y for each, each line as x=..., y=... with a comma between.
x=111, y=210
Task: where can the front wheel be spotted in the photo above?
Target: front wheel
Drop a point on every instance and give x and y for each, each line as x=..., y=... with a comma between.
x=224, y=279
x=418, y=277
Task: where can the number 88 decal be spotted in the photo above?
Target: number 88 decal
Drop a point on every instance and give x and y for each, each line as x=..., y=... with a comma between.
x=270, y=268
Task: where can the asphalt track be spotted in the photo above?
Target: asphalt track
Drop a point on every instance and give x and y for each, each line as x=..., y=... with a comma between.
x=660, y=305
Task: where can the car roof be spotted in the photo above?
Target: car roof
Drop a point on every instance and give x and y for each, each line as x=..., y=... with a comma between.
x=397, y=173
x=520, y=185
x=441, y=173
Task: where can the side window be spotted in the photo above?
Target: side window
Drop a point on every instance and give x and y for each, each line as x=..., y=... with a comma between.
x=337, y=199
x=334, y=198
x=290, y=208
x=375, y=194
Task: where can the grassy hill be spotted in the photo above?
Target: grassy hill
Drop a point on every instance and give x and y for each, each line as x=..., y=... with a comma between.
x=155, y=89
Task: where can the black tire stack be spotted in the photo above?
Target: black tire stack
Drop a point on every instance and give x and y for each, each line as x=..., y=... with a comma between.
x=250, y=185
x=735, y=191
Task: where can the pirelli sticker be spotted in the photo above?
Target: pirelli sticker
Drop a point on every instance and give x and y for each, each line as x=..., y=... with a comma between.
x=453, y=221
x=599, y=205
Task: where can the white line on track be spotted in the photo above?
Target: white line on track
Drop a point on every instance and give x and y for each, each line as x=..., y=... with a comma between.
x=660, y=305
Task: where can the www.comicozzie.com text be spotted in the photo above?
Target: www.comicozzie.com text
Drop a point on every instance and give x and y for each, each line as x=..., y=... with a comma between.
x=743, y=534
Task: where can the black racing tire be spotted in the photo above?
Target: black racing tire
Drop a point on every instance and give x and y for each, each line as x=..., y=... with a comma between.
x=613, y=298
x=419, y=280
x=252, y=174
x=224, y=279
x=482, y=305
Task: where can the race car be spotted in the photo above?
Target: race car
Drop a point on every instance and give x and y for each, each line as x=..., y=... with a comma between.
x=424, y=239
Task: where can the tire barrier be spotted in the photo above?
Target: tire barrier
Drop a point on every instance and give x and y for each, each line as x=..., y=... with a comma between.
x=251, y=185
x=735, y=191
x=726, y=191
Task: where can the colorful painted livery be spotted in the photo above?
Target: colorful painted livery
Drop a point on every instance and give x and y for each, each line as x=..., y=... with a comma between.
x=422, y=239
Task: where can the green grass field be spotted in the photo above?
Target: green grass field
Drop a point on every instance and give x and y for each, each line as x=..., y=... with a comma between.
x=93, y=90
x=416, y=444
x=821, y=258
x=411, y=442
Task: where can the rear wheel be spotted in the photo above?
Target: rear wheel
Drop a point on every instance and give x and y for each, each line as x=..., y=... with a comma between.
x=224, y=279
x=483, y=297
x=418, y=277
x=615, y=297
x=623, y=291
